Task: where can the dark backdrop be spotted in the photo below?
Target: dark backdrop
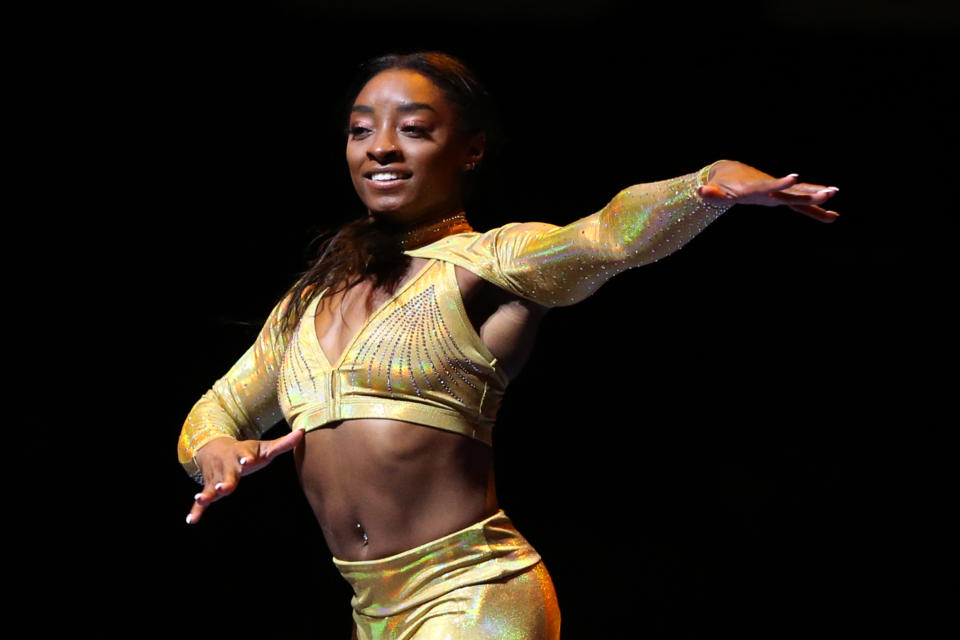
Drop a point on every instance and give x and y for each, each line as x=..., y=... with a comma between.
x=737, y=439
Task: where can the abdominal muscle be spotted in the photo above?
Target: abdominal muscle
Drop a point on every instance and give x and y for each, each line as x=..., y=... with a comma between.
x=381, y=487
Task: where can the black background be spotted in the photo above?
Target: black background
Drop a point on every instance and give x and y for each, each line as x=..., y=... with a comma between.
x=740, y=438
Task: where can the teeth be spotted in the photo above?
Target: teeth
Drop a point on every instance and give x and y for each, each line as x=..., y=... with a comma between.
x=384, y=176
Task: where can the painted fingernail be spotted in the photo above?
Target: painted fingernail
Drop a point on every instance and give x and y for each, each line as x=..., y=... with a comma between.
x=190, y=518
x=300, y=428
x=217, y=486
x=794, y=175
x=243, y=461
x=197, y=497
x=834, y=188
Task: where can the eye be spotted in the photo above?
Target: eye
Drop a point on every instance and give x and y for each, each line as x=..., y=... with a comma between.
x=357, y=131
x=414, y=130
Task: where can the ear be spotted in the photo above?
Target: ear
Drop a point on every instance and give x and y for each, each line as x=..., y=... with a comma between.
x=475, y=148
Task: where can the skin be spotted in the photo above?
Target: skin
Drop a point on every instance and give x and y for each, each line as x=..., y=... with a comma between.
x=380, y=487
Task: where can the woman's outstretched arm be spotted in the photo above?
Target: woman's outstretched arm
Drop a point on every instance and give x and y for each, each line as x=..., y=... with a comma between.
x=219, y=438
x=561, y=265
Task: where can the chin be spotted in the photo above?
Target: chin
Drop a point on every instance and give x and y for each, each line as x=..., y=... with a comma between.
x=385, y=203
x=392, y=216
x=396, y=212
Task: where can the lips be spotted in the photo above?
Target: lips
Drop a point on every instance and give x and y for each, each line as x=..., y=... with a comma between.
x=387, y=177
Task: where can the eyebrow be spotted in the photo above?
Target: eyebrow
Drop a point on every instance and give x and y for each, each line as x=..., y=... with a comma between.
x=403, y=108
x=414, y=106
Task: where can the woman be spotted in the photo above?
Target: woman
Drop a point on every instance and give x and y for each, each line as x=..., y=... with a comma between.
x=390, y=355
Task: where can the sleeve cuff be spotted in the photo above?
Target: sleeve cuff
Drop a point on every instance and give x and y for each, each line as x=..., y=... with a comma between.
x=702, y=178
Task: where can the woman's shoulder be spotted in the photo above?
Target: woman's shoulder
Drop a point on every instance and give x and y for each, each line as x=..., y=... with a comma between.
x=482, y=243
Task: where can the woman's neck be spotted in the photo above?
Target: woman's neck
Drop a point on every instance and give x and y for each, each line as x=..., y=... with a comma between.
x=425, y=233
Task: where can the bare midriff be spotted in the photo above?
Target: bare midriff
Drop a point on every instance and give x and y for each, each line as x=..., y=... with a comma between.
x=380, y=487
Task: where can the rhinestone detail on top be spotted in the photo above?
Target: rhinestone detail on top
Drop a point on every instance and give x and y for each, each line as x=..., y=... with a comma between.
x=412, y=342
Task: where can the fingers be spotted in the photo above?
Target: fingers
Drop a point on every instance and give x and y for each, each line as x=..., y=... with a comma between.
x=782, y=183
x=817, y=213
x=810, y=189
x=221, y=469
x=226, y=463
x=805, y=198
x=818, y=197
x=745, y=185
x=273, y=448
x=219, y=485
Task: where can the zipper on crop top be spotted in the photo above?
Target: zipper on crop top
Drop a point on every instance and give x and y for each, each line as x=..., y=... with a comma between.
x=334, y=411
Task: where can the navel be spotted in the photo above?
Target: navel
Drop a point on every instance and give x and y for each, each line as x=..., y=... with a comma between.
x=362, y=534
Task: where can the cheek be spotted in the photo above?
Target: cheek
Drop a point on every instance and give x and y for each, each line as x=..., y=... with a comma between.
x=351, y=156
x=354, y=163
x=444, y=166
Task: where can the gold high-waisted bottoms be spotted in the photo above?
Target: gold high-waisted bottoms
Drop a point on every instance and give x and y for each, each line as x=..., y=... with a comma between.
x=484, y=582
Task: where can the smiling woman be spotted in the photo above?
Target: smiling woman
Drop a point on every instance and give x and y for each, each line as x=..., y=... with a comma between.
x=406, y=154
x=390, y=355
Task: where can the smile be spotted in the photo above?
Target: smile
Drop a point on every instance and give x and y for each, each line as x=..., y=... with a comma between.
x=382, y=178
x=386, y=179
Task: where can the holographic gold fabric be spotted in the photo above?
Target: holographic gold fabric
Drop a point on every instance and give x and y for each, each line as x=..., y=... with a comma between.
x=243, y=403
x=417, y=358
x=556, y=266
x=484, y=582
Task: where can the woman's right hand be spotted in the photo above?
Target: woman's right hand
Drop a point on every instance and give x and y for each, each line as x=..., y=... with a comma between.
x=223, y=461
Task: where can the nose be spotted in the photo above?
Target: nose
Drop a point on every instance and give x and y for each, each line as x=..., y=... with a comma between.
x=383, y=147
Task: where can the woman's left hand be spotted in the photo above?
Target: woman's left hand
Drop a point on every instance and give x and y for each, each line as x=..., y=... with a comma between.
x=732, y=182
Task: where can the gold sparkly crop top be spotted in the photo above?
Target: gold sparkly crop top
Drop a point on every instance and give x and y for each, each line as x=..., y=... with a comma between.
x=417, y=358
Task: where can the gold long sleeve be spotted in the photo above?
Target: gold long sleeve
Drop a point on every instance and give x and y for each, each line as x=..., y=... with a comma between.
x=549, y=264
x=556, y=266
x=243, y=403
